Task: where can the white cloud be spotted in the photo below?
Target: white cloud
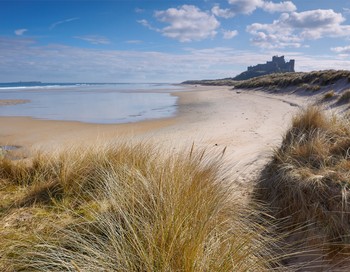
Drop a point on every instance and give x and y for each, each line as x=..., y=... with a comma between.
x=229, y=34
x=224, y=13
x=318, y=18
x=187, y=23
x=290, y=30
x=20, y=32
x=245, y=6
x=94, y=39
x=249, y=6
x=272, y=7
x=62, y=22
x=273, y=35
x=319, y=23
x=145, y=23
x=55, y=63
x=23, y=59
x=341, y=50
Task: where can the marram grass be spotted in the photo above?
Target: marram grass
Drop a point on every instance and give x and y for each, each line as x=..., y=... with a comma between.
x=306, y=183
x=127, y=208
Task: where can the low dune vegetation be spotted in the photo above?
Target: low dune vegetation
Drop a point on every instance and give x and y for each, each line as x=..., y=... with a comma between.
x=127, y=208
x=329, y=95
x=306, y=184
x=137, y=207
x=311, y=81
x=344, y=97
x=215, y=82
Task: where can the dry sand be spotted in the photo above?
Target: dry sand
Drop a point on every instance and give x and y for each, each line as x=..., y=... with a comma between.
x=248, y=123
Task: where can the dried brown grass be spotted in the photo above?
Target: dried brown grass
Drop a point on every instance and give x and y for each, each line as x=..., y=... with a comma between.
x=329, y=95
x=128, y=208
x=306, y=184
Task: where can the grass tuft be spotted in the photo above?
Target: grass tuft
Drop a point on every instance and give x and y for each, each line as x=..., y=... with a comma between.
x=306, y=184
x=329, y=95
x=129, y=208
x=344, y=98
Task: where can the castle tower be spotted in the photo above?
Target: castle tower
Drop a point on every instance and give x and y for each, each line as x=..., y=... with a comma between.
x=277, y=65
x=291, y=65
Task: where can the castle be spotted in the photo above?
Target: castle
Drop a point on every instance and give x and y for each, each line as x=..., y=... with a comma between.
x=277, y=65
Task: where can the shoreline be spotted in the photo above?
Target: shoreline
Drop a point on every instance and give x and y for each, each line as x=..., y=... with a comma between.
x=247, y=124
x=40, y=134
x=30, y=132
x=92, y=104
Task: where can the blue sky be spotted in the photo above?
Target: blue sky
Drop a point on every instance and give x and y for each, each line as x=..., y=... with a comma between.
x=166, y=40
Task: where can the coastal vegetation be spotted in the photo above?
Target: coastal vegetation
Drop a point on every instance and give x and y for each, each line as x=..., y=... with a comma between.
x=127, y=208
x=329, y=95
x=306, y=185
x=215, y=82
x=136, y=207
x=312, y=81
x=344, y=98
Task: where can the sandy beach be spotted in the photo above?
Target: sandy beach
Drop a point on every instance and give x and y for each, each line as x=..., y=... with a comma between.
x=247, y=123
x=244, y=125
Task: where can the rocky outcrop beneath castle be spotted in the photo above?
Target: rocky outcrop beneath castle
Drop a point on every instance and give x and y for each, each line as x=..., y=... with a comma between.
x=277, y=65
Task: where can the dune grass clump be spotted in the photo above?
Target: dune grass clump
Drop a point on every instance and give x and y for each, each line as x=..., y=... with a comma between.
x=310, y=87
x=344, y=98
x=126, y=208
x=329, y=95
x=307, y=181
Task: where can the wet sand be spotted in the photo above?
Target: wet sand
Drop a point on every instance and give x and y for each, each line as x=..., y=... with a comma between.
x=6, y=102
x=247, y=123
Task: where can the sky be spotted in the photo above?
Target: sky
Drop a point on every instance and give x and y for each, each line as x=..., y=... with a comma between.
x=167, y=40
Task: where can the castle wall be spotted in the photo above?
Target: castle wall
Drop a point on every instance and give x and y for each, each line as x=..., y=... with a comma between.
x=277, y=65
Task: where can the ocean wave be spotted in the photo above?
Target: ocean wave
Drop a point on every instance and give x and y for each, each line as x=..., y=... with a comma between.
x=43, y=86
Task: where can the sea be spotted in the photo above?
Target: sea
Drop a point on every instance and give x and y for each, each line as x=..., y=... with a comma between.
x=102, y=103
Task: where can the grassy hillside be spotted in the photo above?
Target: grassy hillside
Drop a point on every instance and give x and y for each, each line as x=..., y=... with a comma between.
x=311, y=81
x=126, y=208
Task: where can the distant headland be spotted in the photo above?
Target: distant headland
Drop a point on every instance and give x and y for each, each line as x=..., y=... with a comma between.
x=277, y=65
